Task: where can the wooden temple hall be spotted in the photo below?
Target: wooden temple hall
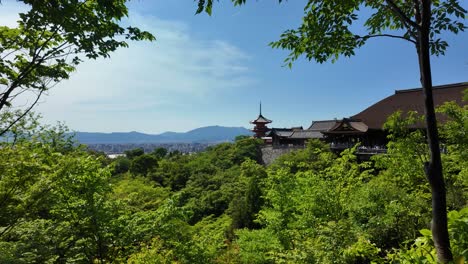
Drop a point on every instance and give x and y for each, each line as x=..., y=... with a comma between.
x=365, y=127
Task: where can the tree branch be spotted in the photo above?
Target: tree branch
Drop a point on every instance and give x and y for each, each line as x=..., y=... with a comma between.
x=405, y=19
x=9, y=53
x=387, y=35
x=31, y=66
x=24, y=114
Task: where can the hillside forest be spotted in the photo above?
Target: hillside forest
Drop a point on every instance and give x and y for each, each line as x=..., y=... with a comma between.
x=62, y=203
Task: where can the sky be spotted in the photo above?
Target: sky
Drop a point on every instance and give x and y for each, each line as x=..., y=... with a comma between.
x=214, y=70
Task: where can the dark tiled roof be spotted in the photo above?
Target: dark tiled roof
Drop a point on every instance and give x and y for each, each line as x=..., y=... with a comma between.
x=359, y=126
x=409, y=100
x=347, y=126
x=295, y=133
x=281, y=132
x=261, y=119
x=322, y=125
x=281, y=129
x=306, y=134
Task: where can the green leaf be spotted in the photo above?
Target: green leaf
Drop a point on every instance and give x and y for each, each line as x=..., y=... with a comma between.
x=426, y=232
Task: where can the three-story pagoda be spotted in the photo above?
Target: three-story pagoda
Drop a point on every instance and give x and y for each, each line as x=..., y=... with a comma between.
x=260, y=129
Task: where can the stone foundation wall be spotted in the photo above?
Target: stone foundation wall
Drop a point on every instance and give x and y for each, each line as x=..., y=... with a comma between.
x=271, y=153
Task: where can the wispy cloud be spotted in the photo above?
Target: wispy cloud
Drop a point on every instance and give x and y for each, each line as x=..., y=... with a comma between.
x=147, y=77
x=176, y=64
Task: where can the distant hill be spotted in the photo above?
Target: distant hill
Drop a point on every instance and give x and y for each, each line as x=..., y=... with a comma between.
x=210, y=134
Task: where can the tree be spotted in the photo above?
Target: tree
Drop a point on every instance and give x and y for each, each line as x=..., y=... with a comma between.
x=121, y=165
x=143, y=164
x=326, y=33
x=133, y=153
x=159, y=152
x=53, y=202
x=51, y=39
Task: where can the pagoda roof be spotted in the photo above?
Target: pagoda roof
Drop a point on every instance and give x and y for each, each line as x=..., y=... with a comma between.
x=410, y=100
x=261, y=119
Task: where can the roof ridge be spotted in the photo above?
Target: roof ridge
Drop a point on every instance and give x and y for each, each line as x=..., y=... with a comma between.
x=321, y=121
x=443, y=86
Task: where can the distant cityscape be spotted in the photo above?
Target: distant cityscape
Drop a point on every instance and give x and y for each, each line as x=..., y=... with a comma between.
x=189, y=142
x=111, y=148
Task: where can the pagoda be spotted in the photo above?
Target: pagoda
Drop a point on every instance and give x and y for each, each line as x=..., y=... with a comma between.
x=260, y=129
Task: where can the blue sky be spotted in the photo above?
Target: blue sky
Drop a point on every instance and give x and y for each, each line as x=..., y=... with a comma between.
x=214, y=70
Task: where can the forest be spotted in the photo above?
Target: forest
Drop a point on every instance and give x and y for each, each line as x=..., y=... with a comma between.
x=62, y=203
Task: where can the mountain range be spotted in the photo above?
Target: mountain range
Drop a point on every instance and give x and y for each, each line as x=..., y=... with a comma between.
x=209, y=134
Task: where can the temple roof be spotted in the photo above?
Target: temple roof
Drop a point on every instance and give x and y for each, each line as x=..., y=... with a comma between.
x=347, y=126
x=322, y=125
x=261, y=119
x=295, y=133
x=410, y=100
x=281, y=132
x=306, y=134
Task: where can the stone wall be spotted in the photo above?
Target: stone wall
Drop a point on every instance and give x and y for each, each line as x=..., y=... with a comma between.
x=271, y=153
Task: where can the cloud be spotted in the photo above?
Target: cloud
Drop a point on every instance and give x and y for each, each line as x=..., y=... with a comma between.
x=177, y=69
x=175, y=63
x=154, y=74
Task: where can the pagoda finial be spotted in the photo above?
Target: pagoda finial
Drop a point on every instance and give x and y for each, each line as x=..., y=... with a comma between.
x=260, y=107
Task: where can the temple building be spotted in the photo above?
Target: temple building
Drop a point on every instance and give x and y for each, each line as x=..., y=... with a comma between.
x=260, y=129
x=365, y=127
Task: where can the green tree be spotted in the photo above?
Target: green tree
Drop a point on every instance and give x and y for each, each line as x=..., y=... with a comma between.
x=24, y=128
x=51, y=39
x=143, y=164
x=455, y=157
x=172, y=172
x=326, y=33
x=121, y=165
x=133, y=153
x=159, y=152
x=53, y=205
x=139, y=194
x=248, y=200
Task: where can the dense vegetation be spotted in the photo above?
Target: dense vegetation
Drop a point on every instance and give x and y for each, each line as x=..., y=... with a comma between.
x=60, y=203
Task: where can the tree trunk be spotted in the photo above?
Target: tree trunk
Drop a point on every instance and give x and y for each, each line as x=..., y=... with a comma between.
x=433, y=168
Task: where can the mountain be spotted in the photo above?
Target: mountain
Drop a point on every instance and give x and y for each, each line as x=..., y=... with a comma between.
x=210, y=134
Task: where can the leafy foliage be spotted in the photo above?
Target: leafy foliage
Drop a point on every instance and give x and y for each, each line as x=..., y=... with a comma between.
x=53, y=201
x=422, y=249
x=60, y=203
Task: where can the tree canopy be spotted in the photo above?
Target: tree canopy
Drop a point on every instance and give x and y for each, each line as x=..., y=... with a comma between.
x=62, y=203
